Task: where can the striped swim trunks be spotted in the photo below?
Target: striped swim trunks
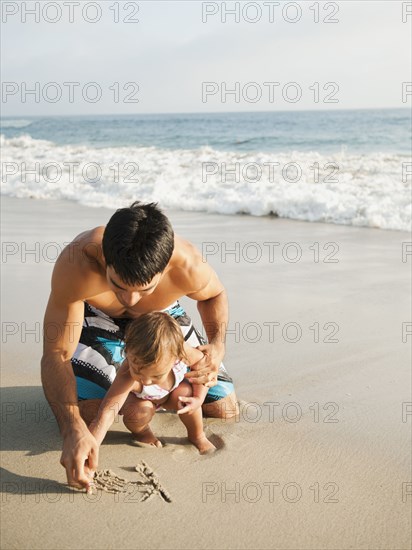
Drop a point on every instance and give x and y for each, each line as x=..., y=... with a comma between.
x=98, y=355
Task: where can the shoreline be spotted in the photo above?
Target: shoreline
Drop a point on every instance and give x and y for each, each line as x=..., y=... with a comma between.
x=171, y=211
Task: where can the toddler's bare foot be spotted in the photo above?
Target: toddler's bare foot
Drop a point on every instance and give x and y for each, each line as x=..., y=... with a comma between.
x=145, y=438
x=203, y=445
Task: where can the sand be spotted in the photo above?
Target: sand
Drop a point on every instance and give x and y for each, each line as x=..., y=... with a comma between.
x=320, y=457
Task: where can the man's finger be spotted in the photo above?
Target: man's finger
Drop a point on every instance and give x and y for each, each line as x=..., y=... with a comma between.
x=199, y=379
x=197, y=374
x=79, y=474
x=199, y=364
x=71, y=479
x=69, y=473
x=212, y=382
x=93, y=460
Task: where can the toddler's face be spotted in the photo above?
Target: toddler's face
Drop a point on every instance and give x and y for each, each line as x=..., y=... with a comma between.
x=153, y=374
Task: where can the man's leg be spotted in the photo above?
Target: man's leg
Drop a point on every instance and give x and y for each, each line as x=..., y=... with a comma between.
x=95, y=363
x=98, y=356
x=224, y=408
x=220, y=401
x=96, y=359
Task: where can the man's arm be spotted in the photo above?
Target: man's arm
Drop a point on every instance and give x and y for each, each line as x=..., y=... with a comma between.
x=61, y=333
x=196, y=279
x=62, y=327
x=214, y=313
x=191, y=404
x=213, y=308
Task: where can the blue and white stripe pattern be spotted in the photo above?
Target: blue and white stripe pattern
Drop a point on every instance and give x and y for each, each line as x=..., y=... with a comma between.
x=99, y=353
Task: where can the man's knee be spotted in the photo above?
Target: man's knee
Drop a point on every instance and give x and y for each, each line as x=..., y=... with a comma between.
x=225, y=408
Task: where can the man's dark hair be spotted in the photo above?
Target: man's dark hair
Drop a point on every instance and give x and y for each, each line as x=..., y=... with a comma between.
x=138, y=243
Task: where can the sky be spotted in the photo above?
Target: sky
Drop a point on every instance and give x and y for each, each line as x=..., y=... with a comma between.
x=176, y=57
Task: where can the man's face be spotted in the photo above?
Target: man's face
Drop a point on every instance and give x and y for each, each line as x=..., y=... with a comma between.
x=127, y=295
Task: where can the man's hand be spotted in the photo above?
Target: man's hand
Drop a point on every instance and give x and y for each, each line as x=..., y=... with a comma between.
x=205, y=371
x=80, y=457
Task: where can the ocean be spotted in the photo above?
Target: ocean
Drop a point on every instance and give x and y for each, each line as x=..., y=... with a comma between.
x=351, y=167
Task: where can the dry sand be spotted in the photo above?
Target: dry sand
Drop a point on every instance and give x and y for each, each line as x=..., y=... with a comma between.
x=320, y=458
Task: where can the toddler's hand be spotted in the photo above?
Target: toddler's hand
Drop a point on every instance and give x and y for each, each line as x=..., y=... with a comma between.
x=188, y=405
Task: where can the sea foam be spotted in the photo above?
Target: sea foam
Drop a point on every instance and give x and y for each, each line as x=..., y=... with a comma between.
x=372, y=190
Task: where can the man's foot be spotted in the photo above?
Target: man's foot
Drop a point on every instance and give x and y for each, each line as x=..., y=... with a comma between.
x=145, y=438
x=203, y=445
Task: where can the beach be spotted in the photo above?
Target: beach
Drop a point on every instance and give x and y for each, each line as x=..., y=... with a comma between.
x=319, y=347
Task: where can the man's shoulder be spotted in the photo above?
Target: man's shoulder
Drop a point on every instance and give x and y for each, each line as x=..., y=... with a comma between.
x=87, y=238
x=188, y=270
x=185, y=255
x=85, y=249
x=79, y=268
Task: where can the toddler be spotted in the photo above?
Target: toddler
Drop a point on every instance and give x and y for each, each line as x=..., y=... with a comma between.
x=156, y=359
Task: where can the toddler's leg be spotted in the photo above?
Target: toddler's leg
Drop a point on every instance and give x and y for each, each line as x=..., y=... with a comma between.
x=195, y=433
x=193, y=422
x=137, y=413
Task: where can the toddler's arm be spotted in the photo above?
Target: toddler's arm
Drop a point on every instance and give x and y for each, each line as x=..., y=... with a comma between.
x=113, y=401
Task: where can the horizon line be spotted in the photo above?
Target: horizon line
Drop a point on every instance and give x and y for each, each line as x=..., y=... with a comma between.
x=207, y=113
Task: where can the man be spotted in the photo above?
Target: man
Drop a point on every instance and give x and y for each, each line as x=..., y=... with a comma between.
x=104, y=278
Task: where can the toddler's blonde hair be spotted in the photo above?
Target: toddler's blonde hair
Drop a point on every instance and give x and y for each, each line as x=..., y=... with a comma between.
x=152, y=335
